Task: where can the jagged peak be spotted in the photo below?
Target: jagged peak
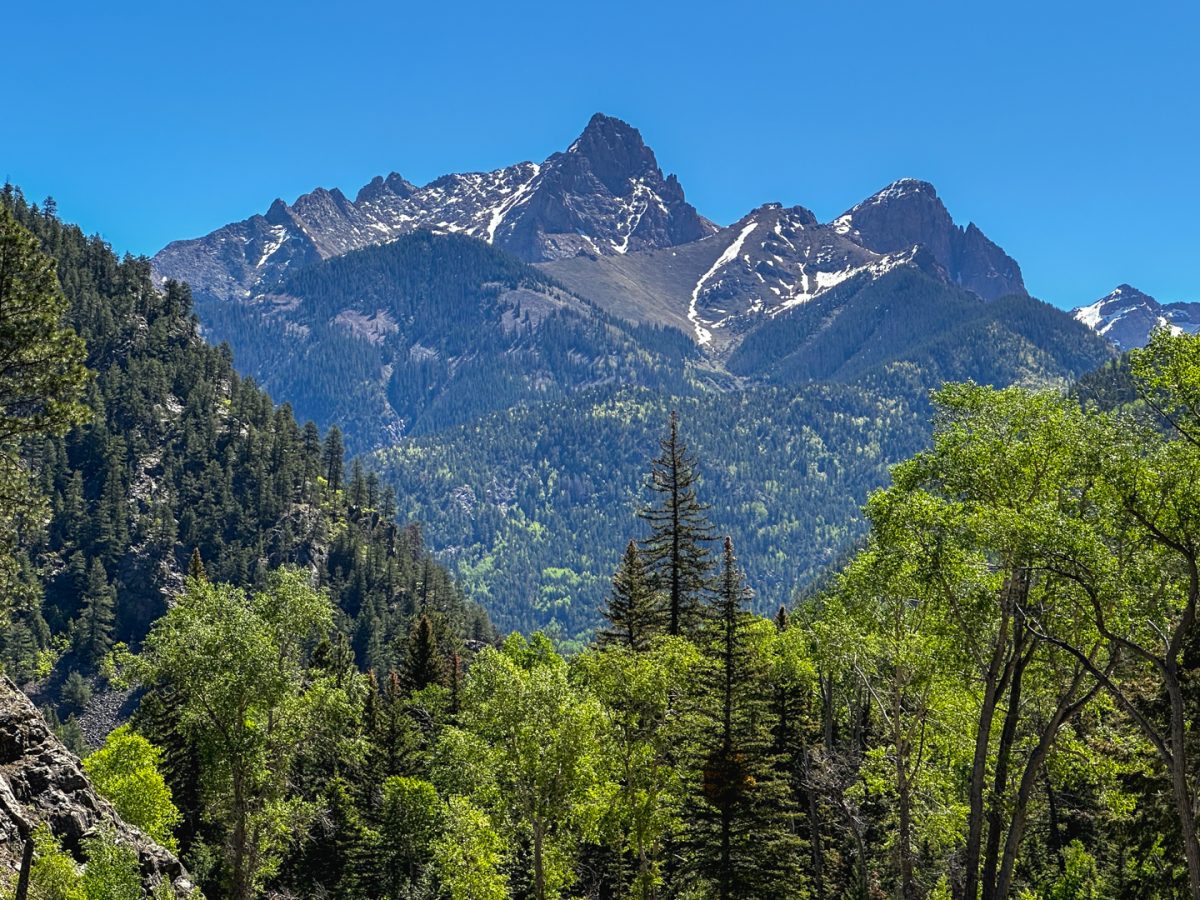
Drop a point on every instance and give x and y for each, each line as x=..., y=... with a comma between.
x=394, y=184
x=902, y=188
x=279, y=212
x=602, y=129
x=1127, y=291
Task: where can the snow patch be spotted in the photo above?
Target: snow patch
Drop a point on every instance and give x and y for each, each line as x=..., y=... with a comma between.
x=703, y=335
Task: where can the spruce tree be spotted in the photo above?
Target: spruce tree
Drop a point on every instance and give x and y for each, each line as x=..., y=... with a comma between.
x=679, y=563
x=93, y=629
x=632, y=613
x=739, y=827
x=423, y=663
x=333, y=458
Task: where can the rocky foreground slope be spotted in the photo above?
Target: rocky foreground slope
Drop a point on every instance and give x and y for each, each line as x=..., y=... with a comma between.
x=42, y=782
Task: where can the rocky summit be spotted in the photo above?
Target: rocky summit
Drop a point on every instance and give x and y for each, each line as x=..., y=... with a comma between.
x=909, y=212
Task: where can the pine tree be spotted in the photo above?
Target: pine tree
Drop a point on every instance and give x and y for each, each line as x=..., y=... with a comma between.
x=739, y=828
x=632, y=612
x=679, y=563
x=94, y=628
x=196, y=566
x=423, y=663
x=333, y=458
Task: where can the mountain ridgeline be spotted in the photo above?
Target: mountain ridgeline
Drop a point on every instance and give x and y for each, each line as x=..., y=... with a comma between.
x=508, y=344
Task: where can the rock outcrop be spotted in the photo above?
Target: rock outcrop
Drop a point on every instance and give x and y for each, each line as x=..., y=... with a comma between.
x=42, y=782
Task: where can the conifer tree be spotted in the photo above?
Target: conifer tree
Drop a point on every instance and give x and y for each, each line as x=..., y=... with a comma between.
x=94, y=628
x=632, y=614
x=196, y=566
x=679, y=563
x=333, y=458
x=739, y=822
x=423, y=663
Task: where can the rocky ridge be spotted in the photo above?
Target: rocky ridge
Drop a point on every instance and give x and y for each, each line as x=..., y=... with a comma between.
x=605, y=194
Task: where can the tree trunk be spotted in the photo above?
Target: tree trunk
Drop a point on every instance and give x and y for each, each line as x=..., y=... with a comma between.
x=26, y=863
x=539, y=873
x=908, y=887
x=814, y=829
x=1008, y=733
x=983, y=733
x=1179, y=783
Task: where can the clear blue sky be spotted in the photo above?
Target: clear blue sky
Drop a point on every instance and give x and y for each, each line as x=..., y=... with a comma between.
x=1069, y=131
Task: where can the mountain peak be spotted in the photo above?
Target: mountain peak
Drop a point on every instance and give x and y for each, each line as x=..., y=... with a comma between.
x=908, y=212
x=601, y=128
x=1127, y=316
x=903, y=188
x=614, y=152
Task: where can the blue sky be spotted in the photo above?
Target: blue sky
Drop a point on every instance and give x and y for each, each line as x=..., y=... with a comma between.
x=1067, y=131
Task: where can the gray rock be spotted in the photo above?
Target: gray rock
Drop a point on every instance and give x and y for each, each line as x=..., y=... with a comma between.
x=42, y=782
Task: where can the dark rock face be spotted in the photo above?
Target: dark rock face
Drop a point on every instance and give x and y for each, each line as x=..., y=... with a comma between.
x=42, y=782
x=605, y=195
x=910, y=212
x=1127, y=317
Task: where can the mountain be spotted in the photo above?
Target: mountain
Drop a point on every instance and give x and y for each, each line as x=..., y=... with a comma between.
x=909, y=212
x=429, y=331
x=907, y=316
x=777, y=258
x=1127, y=316
x=605, y=194
x=512, y=393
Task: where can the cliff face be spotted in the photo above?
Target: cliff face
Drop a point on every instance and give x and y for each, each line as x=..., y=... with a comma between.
x=42, y=782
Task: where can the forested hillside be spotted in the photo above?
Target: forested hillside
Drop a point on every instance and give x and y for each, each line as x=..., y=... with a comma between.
x=177, y=455
x=520, y=503
x=529, y=507
x=430, y=331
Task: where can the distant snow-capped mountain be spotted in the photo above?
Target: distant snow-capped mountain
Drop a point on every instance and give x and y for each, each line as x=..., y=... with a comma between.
x=602, y=218
x=1127, y=316
x=605, y=194
x=778, y=258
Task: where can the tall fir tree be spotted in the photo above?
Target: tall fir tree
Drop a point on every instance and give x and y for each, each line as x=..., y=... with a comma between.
x=94, y=628
x=676, y=556
x=333, y=458
x=633, y=613
x=740, y=821
x=423, y=661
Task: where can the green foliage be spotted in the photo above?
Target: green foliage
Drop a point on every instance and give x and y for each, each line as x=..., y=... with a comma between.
x=469, y=855
x=234, y=663
x=772, y=462
x=40, y=383
x=112, y=871
x=53, y=874
x=126, y=772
